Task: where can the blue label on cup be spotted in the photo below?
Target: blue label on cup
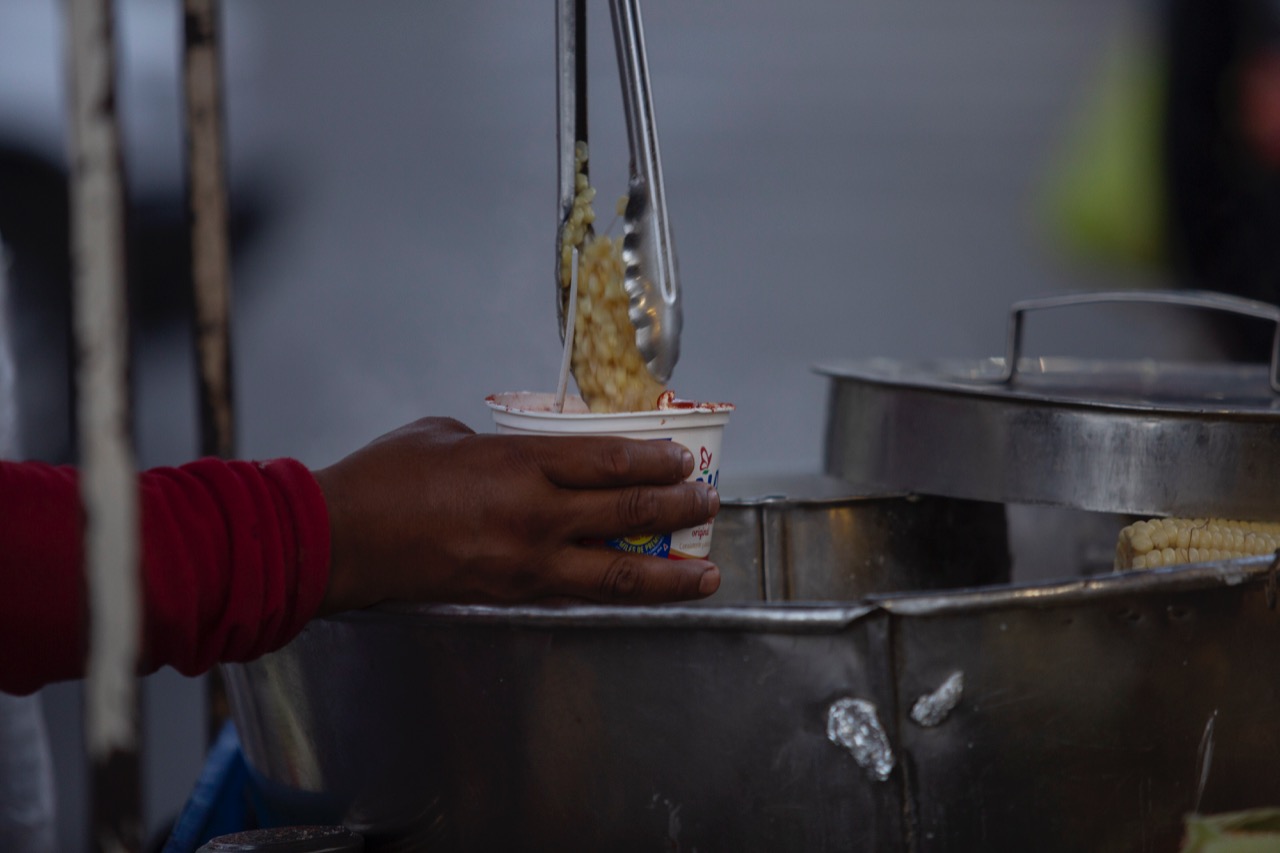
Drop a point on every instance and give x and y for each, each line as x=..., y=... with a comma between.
x=650, y=545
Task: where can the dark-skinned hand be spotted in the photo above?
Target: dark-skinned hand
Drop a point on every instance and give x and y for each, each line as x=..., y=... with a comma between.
x=435, y=512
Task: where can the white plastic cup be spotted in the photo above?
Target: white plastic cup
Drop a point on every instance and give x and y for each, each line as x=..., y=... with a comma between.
x=698, y=426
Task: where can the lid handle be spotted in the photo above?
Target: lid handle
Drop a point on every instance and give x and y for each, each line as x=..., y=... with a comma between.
x=1190, y=298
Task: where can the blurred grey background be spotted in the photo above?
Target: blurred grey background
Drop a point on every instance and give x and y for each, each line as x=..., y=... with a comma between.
x=844, y=179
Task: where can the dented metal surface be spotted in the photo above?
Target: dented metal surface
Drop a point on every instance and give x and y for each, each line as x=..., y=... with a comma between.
x=555, y=729
x=1083, y=697
x=561, y=724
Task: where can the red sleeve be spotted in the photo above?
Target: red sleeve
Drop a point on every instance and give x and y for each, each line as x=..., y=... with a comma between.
x=235, y=561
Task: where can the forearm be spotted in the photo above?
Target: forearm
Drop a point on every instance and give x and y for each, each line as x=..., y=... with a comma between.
x=235, y=561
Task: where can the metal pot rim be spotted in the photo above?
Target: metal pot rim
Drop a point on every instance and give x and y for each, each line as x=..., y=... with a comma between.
x=1231, y=391
x=825, y=617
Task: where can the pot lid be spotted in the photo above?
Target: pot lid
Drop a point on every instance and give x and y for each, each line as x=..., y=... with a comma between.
x=1229, y=390
x=1139, y=437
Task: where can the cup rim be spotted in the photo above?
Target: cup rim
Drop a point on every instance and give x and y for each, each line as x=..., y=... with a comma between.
x=679, y=408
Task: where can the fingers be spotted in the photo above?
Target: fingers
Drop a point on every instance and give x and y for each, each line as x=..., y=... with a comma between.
x=589, y=462
x=608, y=513
x=615, y=577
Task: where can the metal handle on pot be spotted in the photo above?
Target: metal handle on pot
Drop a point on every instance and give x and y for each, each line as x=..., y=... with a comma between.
x=1190, y=298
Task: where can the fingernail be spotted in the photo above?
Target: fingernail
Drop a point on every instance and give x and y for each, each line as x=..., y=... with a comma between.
x=686, y=461
x=713, y=501
x=710, y=581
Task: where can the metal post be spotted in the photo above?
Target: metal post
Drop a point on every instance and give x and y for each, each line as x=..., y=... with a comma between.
x=210, y=255
x=210, y=246
x=108, y=477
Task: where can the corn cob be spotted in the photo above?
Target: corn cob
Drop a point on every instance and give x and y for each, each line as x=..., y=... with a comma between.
x=1173, y=541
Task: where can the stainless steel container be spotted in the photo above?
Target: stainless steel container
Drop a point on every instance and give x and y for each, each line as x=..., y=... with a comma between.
x=1087, y=715
x=1140, y=437
x=1070, y=714
x=818, y=538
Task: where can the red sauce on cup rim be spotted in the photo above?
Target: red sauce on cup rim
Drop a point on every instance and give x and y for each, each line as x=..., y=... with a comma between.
x=541, y=402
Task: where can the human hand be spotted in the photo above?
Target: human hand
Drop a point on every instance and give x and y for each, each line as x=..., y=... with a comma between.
x=435, y=512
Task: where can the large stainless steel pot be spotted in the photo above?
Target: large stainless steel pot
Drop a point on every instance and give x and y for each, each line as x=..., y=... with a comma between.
x=1064, y=715
x=1108, y=436
x=1086, y=715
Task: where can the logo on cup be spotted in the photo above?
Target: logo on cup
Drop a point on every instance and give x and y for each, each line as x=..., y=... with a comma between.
x=648, y=544
x=706, y=475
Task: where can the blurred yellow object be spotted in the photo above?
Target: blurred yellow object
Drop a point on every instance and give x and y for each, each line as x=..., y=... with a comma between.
x=1105, y=197
x=1251, y=831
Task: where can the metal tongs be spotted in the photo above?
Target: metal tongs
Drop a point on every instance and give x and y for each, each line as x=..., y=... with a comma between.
x=647, y=249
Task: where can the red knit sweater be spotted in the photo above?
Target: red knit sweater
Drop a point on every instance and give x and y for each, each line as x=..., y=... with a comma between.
x=235, y=561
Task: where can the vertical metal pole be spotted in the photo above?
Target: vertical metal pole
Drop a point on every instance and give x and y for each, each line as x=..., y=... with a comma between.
x=108, y=477
x=571, y=128
x=210, y=255
x=210, y=249
x=8, y=393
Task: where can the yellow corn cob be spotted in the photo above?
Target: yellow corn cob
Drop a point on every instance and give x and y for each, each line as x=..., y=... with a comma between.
x=1173, y=541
